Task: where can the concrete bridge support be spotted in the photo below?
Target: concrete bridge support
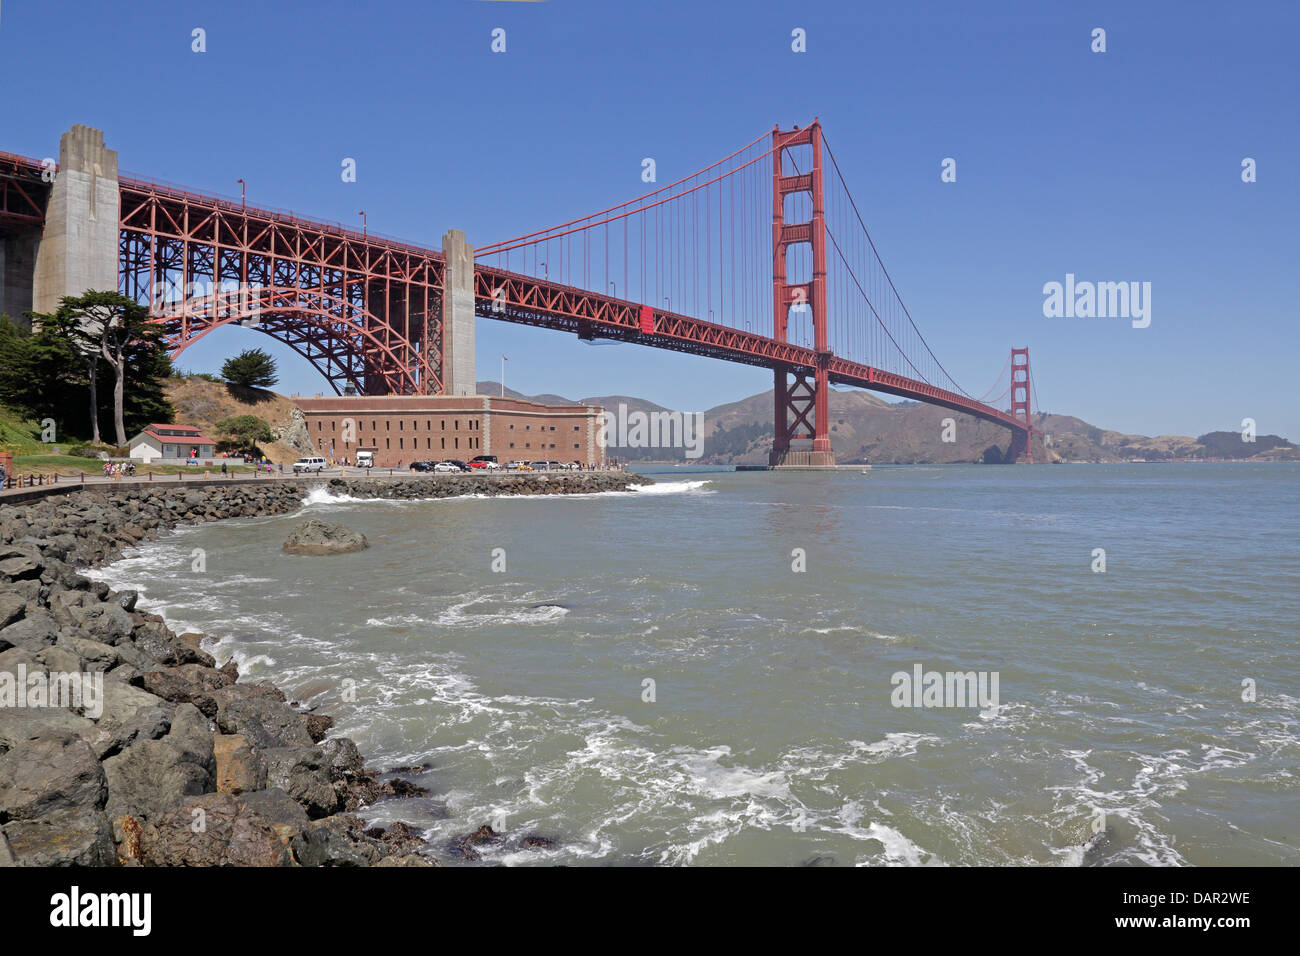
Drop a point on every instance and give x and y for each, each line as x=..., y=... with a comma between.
x=459, y=373
x=78, y=250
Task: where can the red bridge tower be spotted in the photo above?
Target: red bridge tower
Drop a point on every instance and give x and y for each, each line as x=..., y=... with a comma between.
x=1022, y=445
x=801, y=393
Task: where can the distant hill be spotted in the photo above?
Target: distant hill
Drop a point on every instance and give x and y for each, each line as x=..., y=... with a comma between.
x=867, y=429
x=864, y=429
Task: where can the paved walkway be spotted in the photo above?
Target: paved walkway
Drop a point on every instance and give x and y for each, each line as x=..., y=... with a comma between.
x=67, y=483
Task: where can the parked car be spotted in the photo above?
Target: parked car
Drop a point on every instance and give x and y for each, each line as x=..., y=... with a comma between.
x=445, y=468
x=308, y=464
x=537, y=466
x=484, y=461
x=519, y=466
x=459, y=464
x=365, y=459
x=576, y=466
x=422, y=466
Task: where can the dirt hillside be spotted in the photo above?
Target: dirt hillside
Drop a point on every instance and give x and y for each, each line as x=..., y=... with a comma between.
x=203, y=403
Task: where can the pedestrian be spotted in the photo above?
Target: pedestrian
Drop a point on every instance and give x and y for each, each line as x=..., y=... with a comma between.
x=223, y=467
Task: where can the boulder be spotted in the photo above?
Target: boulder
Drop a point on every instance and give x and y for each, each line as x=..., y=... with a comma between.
x=214, y=829
x=316, y=537
x=318, y=725
x=240, y=768
x=32, y=633
x=336, y=841
x=465, y=847
x=109, y=739
x=304, y=774
x=154, y=639
x=54, y=771
x=149, y=777
x=399, y=838
x=171, y=684
x=96, y=656
x=281, y=812
x=342, y=756
x=12, y=606
x=20, y=725
x=59, y=660
x=17, y=564
x=73, y=836
x=122, y=702
x=260, y=714
x=105, y=623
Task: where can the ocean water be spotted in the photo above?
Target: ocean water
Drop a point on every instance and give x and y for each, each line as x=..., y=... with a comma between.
x=1123, y=731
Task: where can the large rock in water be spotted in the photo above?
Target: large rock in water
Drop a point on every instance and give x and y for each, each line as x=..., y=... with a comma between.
x=321, y=537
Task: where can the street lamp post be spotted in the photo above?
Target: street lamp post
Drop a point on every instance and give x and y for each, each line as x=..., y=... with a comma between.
x=243, y=205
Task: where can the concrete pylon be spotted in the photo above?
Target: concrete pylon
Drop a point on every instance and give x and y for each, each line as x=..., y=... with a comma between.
x=78, y=250
x=458, y=368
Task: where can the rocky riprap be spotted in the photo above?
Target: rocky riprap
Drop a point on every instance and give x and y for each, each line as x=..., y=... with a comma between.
x=178, y=740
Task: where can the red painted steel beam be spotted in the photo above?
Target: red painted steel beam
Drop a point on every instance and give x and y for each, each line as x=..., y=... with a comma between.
x=23, y=191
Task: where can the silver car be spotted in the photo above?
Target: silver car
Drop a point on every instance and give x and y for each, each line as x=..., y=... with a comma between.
x=308, y=464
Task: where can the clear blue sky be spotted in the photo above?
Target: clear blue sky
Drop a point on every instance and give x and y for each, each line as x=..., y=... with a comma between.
x=1117, y=166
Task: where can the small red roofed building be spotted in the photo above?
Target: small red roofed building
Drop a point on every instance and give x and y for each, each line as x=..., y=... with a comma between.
x=172, y=444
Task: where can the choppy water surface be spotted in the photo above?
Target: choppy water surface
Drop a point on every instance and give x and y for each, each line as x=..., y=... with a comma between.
x=772, y=738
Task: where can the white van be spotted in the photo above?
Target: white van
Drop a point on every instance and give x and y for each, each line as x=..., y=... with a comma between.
x=308, y=464
x=365, y=459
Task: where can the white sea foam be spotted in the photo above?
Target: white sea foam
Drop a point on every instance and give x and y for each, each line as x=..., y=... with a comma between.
x=672, y=488
x=898, y=850
x=893, y=745
x=322, y=496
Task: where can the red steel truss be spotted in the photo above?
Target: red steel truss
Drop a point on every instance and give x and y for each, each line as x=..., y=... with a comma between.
x=23, y=193
x=365, y=311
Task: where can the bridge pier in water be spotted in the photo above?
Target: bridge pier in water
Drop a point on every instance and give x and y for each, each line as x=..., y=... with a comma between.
x=803, y=397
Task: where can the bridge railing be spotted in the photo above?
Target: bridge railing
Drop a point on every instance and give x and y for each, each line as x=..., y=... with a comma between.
x=26, y=162
x=233, y=205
